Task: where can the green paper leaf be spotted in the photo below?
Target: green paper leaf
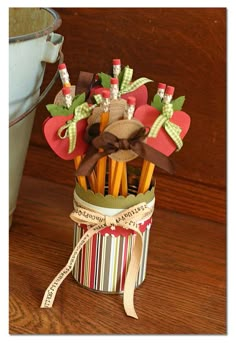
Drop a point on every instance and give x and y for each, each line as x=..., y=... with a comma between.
x=178, y=103
x=57, y=110
x=105, y=80
x=60, y=110
x=156, y=102
x=78, y=100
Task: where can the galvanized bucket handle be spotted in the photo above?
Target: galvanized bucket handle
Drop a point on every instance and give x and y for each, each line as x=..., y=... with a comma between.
x=42, y=95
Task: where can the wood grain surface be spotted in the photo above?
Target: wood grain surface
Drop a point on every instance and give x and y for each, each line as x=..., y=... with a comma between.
x=185, y=287
x=184, y=290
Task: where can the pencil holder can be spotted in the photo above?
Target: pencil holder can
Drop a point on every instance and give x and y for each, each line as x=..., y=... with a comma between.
x=104, y=260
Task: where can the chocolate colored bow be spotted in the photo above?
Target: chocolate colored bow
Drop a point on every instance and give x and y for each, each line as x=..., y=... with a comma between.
x=110, y=143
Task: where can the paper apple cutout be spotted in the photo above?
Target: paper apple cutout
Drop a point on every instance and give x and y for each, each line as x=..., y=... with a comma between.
x=60, y=146
x=147, y=114
x=141, y=94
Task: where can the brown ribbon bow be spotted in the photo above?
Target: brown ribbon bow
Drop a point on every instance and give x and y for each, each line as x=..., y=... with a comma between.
x=109, y=143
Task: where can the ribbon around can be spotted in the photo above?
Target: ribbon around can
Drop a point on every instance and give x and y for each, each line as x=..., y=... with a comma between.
x=109, y=143
x=127, y=219
x=172, y=129
x=126, y=85
x=69, y=130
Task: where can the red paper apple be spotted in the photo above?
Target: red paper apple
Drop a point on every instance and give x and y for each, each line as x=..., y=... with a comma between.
x=163, y=142
x=60, y=146
x=141, y=94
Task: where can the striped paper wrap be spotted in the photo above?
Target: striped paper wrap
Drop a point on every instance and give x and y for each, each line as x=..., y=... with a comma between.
x=104, y=260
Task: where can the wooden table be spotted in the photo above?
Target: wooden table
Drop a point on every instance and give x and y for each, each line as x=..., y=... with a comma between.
x=184, y=291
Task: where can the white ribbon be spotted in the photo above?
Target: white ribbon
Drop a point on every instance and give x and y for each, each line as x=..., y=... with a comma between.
x=127, y=219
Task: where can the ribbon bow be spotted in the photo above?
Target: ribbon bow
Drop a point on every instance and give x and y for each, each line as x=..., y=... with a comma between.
x=172, y=129
x=69, y=129
x=127, y=219
x=109, y=143
x=126, y=86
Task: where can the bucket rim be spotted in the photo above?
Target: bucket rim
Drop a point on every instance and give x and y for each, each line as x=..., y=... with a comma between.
x=55, y=25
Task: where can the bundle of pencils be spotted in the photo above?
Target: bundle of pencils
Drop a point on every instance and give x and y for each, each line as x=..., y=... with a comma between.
x=106, y=137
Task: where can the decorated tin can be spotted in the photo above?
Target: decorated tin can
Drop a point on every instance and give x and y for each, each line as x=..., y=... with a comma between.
x=104, y=260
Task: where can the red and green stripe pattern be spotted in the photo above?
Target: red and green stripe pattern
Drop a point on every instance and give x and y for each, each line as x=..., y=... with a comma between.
x=103, y=262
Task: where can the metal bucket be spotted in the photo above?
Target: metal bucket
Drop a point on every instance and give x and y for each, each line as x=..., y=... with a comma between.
x=32, y=43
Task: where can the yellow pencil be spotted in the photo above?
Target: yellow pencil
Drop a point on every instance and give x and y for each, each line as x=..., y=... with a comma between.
x=112, y=167
x=124, y=181
x=120, y=176
x=92, y=179
x=117, y=178
x=81, y=179
x=146, y=176
x=101, y=165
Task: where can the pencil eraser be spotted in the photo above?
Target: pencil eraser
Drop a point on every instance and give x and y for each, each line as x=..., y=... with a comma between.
x=106, y=93
x=62, y=66
x=131, y=100
x=169, y=90
x=161, y=85
x=114, y=81
x=66, y=90
x=116, y=61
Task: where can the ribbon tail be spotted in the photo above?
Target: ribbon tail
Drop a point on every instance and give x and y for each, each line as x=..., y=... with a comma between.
x=154, y=156
x=174, y=131
x=135, y=85
x=128, y=298
x=127, y=77
x=156, y=126
x=51, y=291
x=72, y=138
x=89, y=162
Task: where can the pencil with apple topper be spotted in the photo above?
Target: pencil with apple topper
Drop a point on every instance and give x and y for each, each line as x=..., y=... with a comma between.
x=104, y=119
x=64, y=75
x=161, y=89
x=116, y=106
x=120, y=181
x=77, y=160
x=116, y=67
x=130, y=108
x=148, y=167
x=67, y=96
x=129, y=112
x=66, y=90
x=114, y=95
x=114, y=88
x=161, y=92
x=115, y=168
